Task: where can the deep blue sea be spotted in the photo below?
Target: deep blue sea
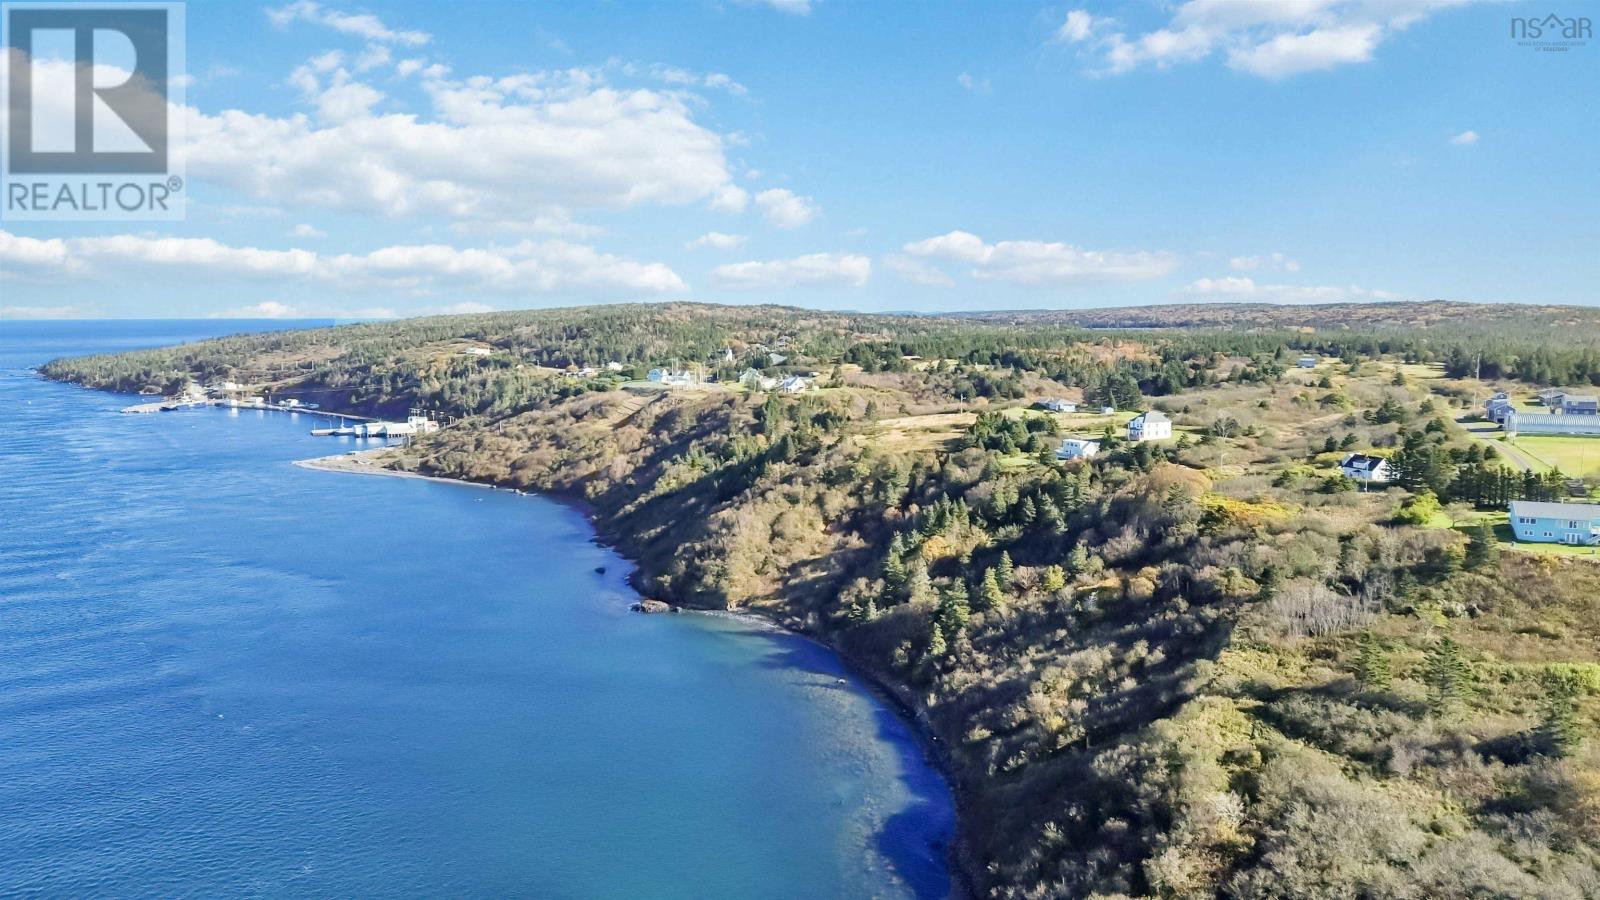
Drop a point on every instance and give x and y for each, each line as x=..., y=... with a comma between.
x=222, y=675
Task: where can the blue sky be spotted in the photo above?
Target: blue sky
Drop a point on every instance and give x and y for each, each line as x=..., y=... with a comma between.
x=401, y=158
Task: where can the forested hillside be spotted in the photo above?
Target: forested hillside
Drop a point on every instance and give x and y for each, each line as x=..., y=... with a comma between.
x=1209, y=665
x=1534, y=344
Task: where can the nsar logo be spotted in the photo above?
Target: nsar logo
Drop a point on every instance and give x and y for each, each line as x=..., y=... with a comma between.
x=1551, y=33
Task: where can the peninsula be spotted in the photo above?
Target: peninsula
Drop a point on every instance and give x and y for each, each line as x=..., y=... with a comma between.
x=1278, y=638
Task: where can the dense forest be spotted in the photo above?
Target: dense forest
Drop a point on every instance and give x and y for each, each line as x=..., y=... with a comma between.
x=1207, y=666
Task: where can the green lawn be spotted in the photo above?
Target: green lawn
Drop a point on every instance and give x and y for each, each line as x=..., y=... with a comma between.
x=1579, y=456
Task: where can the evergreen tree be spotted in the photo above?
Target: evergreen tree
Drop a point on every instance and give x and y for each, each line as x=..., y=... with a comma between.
x=990, y=594
x=1005, y=572
x=919, y=587
x=954, y=610
x=1372, y=664
x=1558, y=711
x=936, y=642
x=1026, y=511
x=1448, y=677
x=1483, y=550
x=1054, y=579
x=1078, y=560
x=894, y=570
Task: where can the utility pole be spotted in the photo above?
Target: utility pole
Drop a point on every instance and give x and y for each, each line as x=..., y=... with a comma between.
x=1477, y=378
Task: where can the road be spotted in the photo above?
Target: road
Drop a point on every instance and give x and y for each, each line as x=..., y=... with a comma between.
x=1489, y=434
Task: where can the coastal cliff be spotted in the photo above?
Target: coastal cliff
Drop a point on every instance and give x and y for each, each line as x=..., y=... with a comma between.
x=1202, y=666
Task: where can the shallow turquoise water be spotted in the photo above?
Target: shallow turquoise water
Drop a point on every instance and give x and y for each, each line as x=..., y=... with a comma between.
x=221, y=674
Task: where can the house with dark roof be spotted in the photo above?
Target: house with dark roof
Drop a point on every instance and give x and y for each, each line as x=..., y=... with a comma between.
x=1367, y=469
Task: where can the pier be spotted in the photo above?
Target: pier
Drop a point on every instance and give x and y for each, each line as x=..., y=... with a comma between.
x=175, y=403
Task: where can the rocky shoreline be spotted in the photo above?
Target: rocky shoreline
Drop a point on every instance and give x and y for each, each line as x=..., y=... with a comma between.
x=377, y=461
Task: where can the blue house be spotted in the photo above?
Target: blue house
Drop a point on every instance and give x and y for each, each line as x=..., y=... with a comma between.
x=1556, y=523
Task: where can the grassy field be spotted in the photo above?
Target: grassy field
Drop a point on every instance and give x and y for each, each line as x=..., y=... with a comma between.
x=938, y=431
x=1421, y=371
x=1577, y=456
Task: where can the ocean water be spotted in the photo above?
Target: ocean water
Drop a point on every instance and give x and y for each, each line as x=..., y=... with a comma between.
x=222, y=675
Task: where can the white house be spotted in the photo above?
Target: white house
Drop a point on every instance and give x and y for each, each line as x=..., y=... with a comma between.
x=1556, y=523
x=756, y=381
x=613, y=366
x=777, y=359
x=794, y=384
x=478, y=351
x=1108, y=410
x=1077, y=448
x=1364, y=468
x=1306, y=362
x=1058, y=405
x=672, y=377
x=1150, y=426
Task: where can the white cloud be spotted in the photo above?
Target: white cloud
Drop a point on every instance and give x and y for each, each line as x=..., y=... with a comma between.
x=367, y=27
x=44, y=312
x=521, y=153
x=958, y=245
x=527, y=266
x=326, y=62
x=273, y=309
x=1267, y=38
x=674, y=75
x=1078, y=27
x=716, y=240
x=1321, y=48
x=19, y=253
x=815, y=270
x=490, y=149
x=1236, y=287
x=307, y=231
x=975, y=85
x=1275, y=262
x=916, y=271
x=461, y=309
x=793, y=7
x=1465, y=139
x=730, y=198
x=374, y=56
x=1041, y=262
x=785, y=209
